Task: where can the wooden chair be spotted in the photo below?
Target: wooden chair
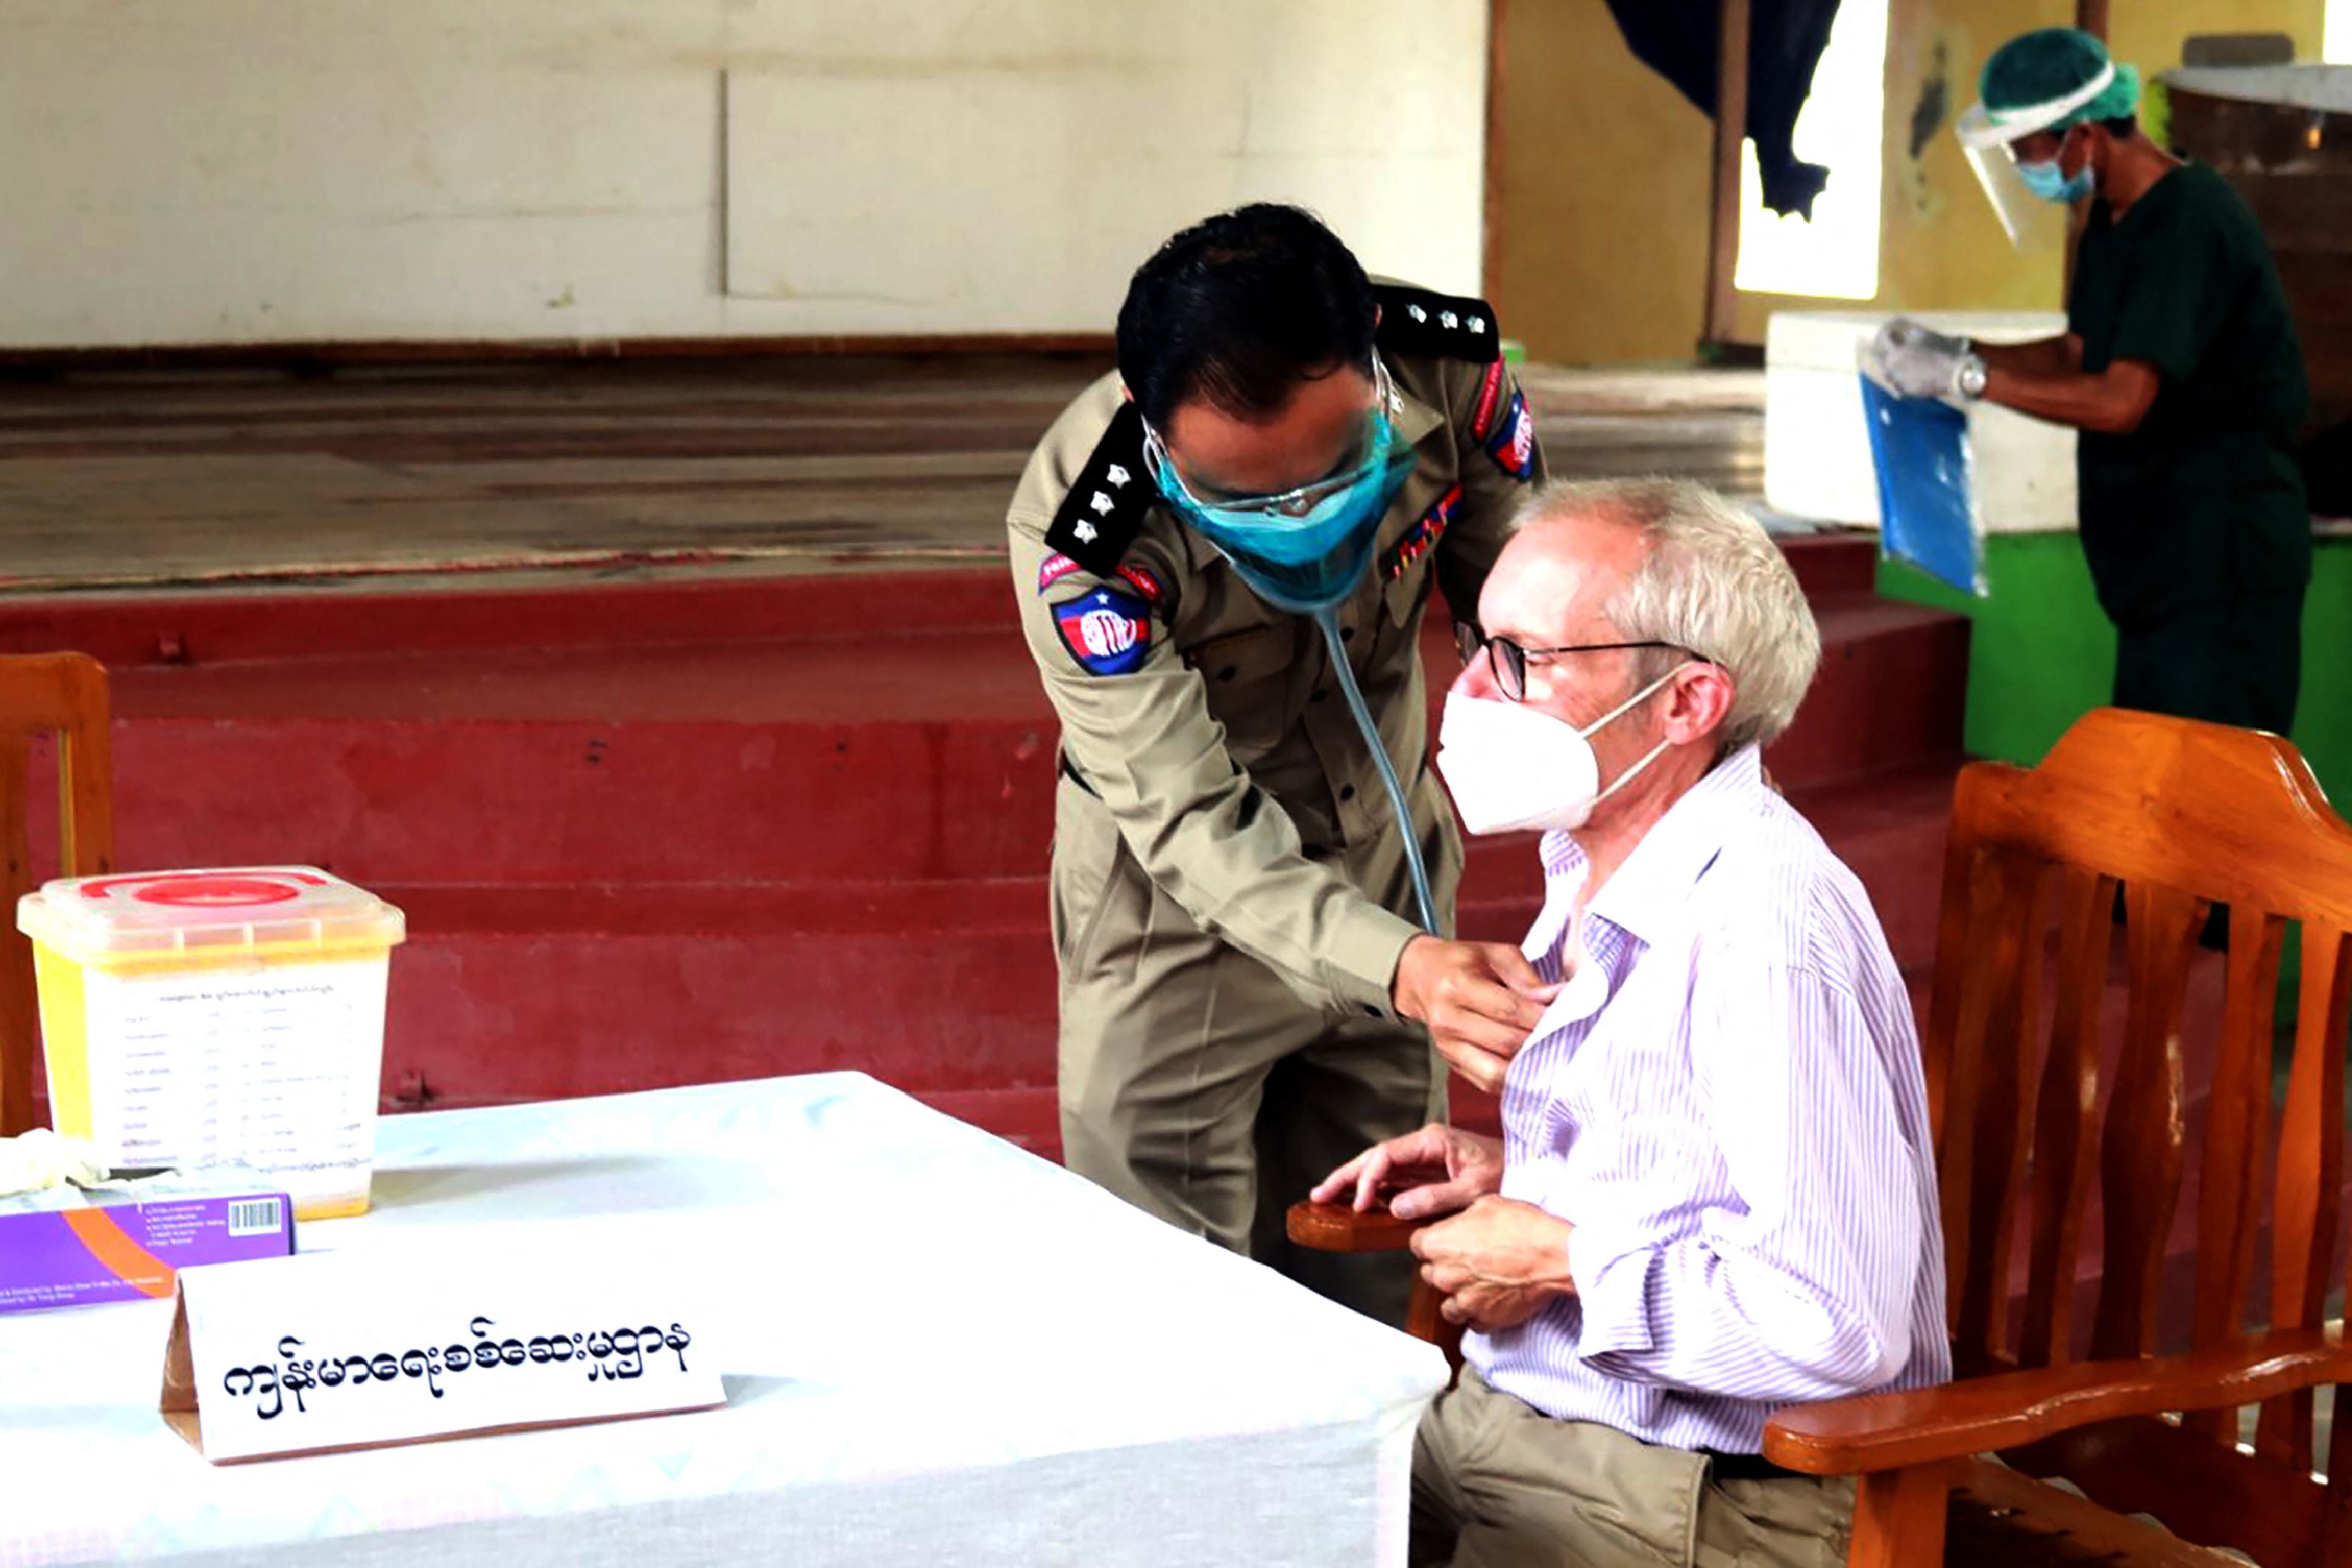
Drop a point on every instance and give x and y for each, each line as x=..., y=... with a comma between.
x=2181, y=817
x=64, y=695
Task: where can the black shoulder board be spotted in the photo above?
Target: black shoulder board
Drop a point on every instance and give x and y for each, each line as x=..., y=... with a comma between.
x=1436, y=326
x=1105, y=508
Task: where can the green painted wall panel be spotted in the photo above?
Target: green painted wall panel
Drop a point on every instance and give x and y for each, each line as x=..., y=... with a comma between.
x=2041, y=654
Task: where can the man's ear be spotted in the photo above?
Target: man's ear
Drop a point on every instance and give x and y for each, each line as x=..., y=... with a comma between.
x=1701, y=705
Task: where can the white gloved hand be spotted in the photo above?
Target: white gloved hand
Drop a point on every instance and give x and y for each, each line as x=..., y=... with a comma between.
x=1907, y=334
x=40, y=1159
x=1914, y=361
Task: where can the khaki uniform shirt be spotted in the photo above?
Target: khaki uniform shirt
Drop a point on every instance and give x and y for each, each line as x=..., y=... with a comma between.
x=1209, y=723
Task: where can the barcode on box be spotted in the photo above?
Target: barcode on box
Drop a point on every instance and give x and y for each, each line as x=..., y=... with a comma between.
x=254, y=1216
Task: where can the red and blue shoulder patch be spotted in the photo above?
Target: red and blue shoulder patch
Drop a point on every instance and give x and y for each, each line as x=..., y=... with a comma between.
x=1513, y=443
x=1142, y=579
x=1108, y=631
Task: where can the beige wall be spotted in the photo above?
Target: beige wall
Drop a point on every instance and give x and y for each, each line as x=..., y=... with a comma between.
x=251, y=171
x=1605, y=172
x=1603, y=191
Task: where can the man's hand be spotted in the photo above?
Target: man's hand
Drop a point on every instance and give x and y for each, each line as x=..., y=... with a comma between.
x=1496, y=1263
x=1480, y=1000
x=1435, y=1171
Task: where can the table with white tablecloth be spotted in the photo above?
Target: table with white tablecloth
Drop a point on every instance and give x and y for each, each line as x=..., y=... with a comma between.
x=936, y=1348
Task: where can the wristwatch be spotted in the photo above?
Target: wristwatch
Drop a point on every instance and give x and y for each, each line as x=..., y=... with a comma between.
x=1970, y=377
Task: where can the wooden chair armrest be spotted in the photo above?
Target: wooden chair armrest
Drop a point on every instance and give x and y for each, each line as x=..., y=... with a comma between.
x=1336, y=1227
x=1888, y=1431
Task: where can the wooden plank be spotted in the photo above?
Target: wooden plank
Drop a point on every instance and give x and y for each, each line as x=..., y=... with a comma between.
x=2009, y=1410
x=122, y=481
x=2209, y=1492
x=2067, y=1143
x=19, y=1019
x=2014, y=914
x=1898, y=1518
x=2080, y=1530
x=327, y=353
x=2140, y=1160
x=2237, y=1144
x=60, y=694
x=1954, y=1057
x=1730, y=133
x=2310, y=1174
x=85, y=772
x=1490, y=239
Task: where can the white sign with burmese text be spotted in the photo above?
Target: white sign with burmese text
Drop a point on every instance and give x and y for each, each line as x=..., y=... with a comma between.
x=333, y=1350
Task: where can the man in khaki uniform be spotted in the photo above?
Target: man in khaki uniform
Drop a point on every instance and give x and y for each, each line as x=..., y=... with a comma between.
x=1233, y=911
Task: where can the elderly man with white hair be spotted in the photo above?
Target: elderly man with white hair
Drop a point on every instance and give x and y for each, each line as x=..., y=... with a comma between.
x=1714, y=1193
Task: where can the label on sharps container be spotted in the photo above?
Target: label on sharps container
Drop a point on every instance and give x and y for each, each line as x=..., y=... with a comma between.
x=270, y=1066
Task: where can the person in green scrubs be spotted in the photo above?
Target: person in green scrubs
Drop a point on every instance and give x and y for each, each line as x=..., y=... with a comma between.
x=2179, y=367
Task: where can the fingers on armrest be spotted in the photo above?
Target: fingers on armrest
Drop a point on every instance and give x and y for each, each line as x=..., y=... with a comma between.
x=1336, y=1227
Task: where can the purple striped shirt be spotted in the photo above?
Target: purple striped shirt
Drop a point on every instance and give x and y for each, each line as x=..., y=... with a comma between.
x=1727, y=1104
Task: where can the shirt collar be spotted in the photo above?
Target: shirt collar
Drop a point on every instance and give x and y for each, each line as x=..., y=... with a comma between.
x=1651, y=888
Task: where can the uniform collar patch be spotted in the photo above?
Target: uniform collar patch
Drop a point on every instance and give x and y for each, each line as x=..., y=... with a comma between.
x=1106, y=504
x=1436, y=326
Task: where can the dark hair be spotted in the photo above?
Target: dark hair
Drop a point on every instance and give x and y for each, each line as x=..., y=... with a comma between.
x=2122, y=127
x=1238, y=309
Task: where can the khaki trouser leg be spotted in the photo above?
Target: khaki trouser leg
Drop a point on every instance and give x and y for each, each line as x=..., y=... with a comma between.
x=1198, y=1085
x=1497, y=1482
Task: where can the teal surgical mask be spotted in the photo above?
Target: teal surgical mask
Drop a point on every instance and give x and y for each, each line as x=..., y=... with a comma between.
x=2046, y=177
x=1307, y=548
x=2047, y=180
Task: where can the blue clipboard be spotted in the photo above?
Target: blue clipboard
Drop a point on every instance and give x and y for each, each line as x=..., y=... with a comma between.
x=1926, y=508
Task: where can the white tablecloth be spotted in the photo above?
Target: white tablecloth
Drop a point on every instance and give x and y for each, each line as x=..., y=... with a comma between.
x=938, y=1350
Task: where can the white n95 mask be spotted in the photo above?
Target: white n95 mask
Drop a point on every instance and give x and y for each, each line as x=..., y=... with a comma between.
x=1511, y=767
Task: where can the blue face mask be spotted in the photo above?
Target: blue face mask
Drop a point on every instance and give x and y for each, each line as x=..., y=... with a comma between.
x=2045, y=178
x=1307, y=550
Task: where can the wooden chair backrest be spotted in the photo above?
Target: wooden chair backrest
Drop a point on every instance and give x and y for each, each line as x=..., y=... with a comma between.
x=41, y=695
x=2180, y=816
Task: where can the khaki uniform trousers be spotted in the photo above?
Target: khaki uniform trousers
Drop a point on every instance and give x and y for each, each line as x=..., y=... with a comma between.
x=1197, y=1085
x=1498, y=1484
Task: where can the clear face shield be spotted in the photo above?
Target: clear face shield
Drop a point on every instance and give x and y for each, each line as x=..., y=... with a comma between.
x=2032, y=223
x=2033, y=226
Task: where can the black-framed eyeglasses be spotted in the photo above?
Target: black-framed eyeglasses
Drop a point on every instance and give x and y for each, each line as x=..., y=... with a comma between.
x=1511, y=660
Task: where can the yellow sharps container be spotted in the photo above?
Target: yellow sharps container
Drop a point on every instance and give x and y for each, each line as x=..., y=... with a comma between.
x=200, y=1017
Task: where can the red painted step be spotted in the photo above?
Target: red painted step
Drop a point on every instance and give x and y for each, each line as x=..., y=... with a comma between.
x=717, y=761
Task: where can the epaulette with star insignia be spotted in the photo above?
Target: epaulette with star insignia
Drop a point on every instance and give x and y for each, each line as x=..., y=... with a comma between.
x=1106, y=506
x=1436, y=326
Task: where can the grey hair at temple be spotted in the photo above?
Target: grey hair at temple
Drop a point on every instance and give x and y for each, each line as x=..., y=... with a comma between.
x=1714, y=583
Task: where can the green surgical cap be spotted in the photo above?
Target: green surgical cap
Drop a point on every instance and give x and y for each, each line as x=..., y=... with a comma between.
x=2039, y=68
